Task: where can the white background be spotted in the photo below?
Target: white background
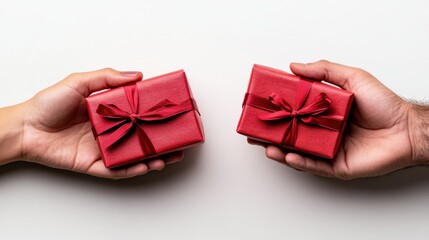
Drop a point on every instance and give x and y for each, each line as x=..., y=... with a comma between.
x=224, y=189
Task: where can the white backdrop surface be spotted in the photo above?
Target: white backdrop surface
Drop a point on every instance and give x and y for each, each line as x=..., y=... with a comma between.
x=225, y=188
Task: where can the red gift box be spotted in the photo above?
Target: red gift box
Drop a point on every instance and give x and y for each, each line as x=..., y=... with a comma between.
x=294, y=113
x=145, y=120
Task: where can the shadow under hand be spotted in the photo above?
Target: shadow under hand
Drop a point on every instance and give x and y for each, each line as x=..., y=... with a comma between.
x=401, y=180
x=171, y=174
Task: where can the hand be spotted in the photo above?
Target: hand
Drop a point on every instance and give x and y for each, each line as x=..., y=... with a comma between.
x=382, y=136
x=57, y=132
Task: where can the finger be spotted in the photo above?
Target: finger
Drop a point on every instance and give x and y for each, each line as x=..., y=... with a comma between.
x=308, y=164
x=173, y=157
x=170, y=158
x=337, y=74
x=258, y=143
x=156, y=164
x=99, y=170
x=89, y=82
x=278, y=155
x=275, y=153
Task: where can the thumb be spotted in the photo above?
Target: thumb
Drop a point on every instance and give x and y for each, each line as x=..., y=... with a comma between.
x=88, y=82
x=337, y=74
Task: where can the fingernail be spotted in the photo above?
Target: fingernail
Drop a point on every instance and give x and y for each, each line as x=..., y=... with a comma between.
x=129, y=73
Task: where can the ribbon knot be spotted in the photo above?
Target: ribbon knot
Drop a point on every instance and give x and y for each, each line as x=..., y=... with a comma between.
x=133, y=117
x=278, y=108
x=120, y=122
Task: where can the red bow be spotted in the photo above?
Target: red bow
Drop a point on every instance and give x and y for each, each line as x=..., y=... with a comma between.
x=280, y=109
x=123, y=122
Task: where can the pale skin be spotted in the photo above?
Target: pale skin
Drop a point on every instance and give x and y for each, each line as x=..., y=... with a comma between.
x=385, y=132
x=53, y=128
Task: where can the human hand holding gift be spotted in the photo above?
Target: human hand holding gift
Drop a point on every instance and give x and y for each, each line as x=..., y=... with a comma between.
x=293, y=112
x=146, y=119
x=385, y=133
x=53, y=127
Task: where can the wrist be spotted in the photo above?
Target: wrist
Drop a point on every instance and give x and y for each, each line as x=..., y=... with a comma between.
x=11, y=133
x=419, y=132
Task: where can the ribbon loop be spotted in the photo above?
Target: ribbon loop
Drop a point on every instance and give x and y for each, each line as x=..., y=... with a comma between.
x=121, y=122
x=312, y=113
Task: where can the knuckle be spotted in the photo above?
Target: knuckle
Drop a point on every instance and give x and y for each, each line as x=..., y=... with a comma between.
x=116, y=178
x=360, y=73
x=344, y=176
x=108, y=70
x=73, y=75
x=323, y=61
x=73, y=79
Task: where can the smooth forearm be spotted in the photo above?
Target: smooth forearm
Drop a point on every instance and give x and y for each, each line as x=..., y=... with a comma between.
x=419, y=132
x=11, y=125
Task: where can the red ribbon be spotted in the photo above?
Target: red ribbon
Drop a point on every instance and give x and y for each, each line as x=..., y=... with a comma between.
x=279, y=109
x=123, y=122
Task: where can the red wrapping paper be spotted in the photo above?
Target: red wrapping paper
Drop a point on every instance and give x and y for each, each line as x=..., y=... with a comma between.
x=165, y=119
x=294, y=113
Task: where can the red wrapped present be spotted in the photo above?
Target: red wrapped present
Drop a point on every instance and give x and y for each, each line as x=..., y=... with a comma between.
x=294, y=113
x=145, y=120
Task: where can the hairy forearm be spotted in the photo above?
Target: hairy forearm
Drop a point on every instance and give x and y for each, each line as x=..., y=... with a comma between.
x=10, y=133
x=419, y=134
